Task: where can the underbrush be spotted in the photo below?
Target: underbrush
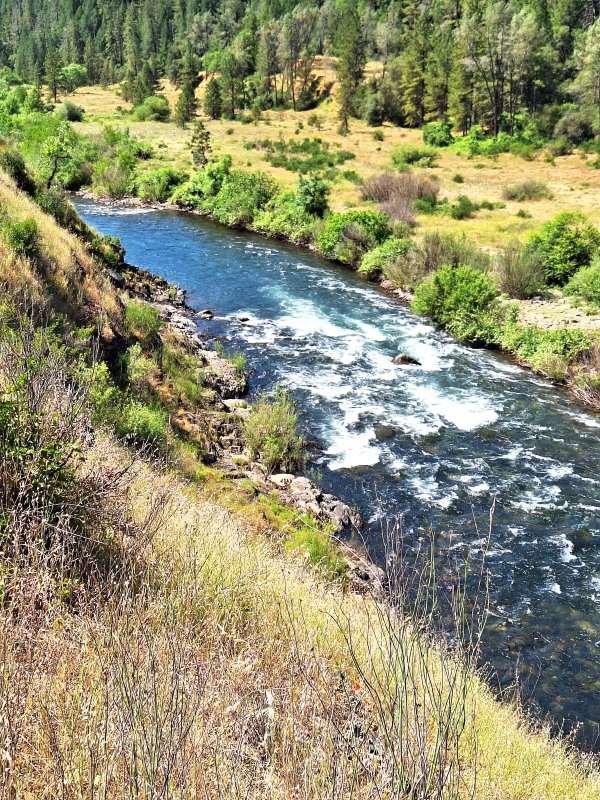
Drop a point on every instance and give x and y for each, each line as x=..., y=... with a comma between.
x=271, y=433
x=347, y=236
x=304, y=157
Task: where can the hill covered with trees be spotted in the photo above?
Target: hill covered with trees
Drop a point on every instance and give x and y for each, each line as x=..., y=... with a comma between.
x=507, y=66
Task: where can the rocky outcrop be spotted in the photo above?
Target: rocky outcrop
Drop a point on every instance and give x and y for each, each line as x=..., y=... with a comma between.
x=307, y=497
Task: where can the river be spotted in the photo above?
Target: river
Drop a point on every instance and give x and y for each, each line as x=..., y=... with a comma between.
x=429, y=446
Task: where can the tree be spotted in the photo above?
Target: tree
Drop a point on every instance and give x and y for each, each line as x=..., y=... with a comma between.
x=200, y=145
x=58, y=151
x=213, y=104
x=73, y=76
x=351, y=61
x=231, y=76
x=586, y=86
x=185, y=108
x=53, y=69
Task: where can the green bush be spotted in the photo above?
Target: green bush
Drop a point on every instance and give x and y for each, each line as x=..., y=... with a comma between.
x=317, y=545
x=585, y=284
x=520, y=271
x=139, y=368
x=462, y=300
x=157, y=185
x=408, y=155
x=70, y=112
x=347, y=236
x=565, y=244
x=527, y=190
x=384, y=259
x=283, y=217
x=203, y=185
x=21, y=236
x=241, y=196
x=154, y=109
x=464, y=208
x=549, y=352
x=13, y=163
x=55, y=202
x=438, y=134
x=438, y=249
x=143, y=321
x=312, y=195
x=142, y=423
x=271, y=433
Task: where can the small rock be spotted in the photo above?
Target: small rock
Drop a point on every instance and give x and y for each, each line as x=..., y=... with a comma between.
x=404, y=358
x=243, y=319
x=206, y=313
x=235, y=403
x=283, y=480
x=301, y=486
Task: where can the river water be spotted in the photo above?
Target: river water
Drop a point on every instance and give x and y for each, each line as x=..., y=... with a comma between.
x=431, y=446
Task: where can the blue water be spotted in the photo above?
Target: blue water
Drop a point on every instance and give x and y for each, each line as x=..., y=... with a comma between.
x=431, y=445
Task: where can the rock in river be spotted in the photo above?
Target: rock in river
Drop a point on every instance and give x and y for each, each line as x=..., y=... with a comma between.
x=404, y=358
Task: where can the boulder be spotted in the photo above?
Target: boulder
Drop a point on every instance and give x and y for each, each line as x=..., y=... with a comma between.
x=206, y=313
x=404, y=358
x=282, y=480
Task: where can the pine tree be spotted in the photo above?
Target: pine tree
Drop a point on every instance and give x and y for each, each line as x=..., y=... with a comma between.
x=185, y=108
x=52, y=71
x=351, y=62
x=213, y=104
x=200, y=145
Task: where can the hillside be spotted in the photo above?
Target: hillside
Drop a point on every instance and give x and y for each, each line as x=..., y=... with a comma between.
x=155, y=643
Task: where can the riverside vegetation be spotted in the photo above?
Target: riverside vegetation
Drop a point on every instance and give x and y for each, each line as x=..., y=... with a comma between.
x=155, y=641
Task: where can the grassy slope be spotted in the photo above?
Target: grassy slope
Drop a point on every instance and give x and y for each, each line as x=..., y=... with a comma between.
x=251, y=611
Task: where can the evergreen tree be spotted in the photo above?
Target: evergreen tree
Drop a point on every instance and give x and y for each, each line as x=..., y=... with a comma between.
x=200, y=145
x=52, y=72
x=185, y=108
x=213, y=105
x=351, y=61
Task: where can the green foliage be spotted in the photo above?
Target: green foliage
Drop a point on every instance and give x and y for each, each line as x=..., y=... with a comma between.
x=70, y=112
x=141, y=423
x=304, y=157
x=520, y=271
x=13, y=163
x=385, y=259
x=200, y=145
x=464, y=208
x=462, y=300
x=317, y=545
x=566, y=243
x=203, y=185
x=284, y=217
x=143, y=321
x=153, y=109
x=271, y=433
x=347, y=236
x=139, y=367
x=408, y=155
x=157, y=185
x=21, y=236
x=438, y=134
x=241, y=196
x=73, y=76
x=313, y=195
x=527, y=190
x=548, y=351
x=213, y=104
x=585, y=284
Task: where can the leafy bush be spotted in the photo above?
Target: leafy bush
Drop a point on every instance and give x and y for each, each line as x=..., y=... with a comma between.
x=566, y=243
x=13, y=163
x=271, y=433
x=438, y=134
x=408, y=155
x=139, y=367
x=154, y=109
x=458, y=178
x=142, y=423
x=241, y=196
x=203, y=185
x=157, y=185
x=520, y=271
x=438, y=249
x=383, y=259
x=305, y=156
x=312, y=195
x=585, y=284
x=527, y=190
x=462, y=300
x=284, y=217
x=21, y=236
x=347, y=236
x=464, y=208
x=143, y=321
x=70, y=112
x=55, y=202
x=575, y=127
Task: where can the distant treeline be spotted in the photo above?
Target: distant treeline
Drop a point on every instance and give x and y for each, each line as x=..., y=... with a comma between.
x=497, y=63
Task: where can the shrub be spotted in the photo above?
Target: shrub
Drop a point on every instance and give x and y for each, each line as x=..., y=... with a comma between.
x=157, y=185
x=462, y=300
x=70, y=112
x=55, y=202
x=397, y=194
x=346, y=236
x=458, y=178
x=143, y=321
x=438, y=134
x=271, y=433
x=575, y=127
x=378, y=136
x=408, y=155
x=142, y=423
x=13, y=163
x=437, y=249
x=154, y=109
x=566, y=243
x=464, y=208
x=139, y=368
x=383, y=259
x=203, y=185
x=585, y=284
x=312, y=195
x=241, y=196
x=115, y=176
x=21, y=236
x=520, y=271
x=559, y=147
x=284, y=217
x=527, y=190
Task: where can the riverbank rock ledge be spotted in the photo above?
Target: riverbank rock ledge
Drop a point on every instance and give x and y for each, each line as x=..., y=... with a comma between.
x=307, y=497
